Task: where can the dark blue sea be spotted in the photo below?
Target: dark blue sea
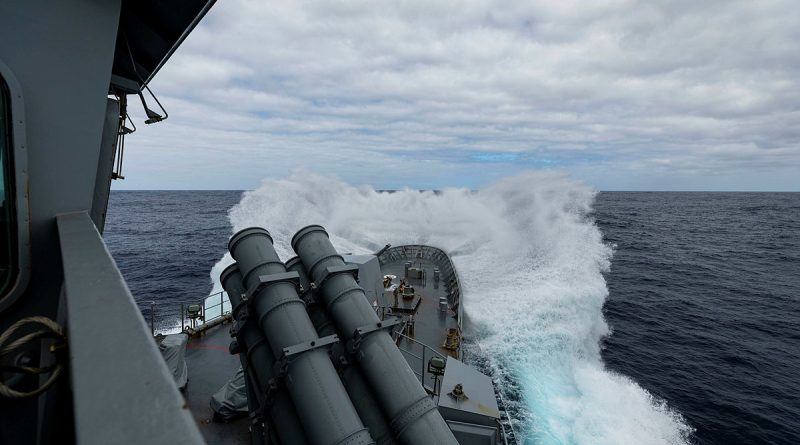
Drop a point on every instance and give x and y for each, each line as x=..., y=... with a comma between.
x=703, y=294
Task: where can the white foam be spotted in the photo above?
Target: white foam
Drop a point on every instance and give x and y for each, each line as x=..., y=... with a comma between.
x=530, y=262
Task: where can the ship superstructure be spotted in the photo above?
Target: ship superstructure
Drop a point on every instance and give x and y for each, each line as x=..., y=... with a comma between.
x=333, y=348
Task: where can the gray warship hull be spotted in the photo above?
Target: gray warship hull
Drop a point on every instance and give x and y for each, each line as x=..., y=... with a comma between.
x=431, y=328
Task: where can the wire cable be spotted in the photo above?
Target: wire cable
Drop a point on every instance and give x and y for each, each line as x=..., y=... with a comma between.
x=50, y=329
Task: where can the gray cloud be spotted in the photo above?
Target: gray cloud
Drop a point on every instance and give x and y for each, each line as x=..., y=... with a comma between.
x=622, y=94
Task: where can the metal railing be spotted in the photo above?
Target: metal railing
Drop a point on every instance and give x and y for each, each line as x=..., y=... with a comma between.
x=426, y=353
x=126, y=364
x=449, y=274
x=212, y=309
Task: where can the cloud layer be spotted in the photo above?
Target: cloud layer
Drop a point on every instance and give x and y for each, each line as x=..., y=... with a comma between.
x=620, y=93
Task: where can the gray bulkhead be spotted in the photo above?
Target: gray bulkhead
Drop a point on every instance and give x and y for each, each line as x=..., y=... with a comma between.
x=67, y=64
x=57, y=57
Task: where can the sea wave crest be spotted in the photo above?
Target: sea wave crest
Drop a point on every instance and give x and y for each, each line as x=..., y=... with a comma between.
x=530, y=259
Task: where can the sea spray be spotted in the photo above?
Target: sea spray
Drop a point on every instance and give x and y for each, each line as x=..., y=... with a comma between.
x=530, y=260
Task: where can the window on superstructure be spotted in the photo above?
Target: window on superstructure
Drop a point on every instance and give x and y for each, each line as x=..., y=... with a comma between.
x=8, y=238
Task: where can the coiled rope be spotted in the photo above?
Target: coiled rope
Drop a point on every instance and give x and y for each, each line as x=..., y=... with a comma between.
x=51, y=330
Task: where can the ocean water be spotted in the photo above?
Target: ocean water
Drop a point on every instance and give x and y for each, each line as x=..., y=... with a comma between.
x=705, y=307
x=611, y=318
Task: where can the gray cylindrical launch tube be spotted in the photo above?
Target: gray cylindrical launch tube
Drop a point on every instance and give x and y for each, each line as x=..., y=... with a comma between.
x=325, y=410
x=413, y=415
x=258, y=362
x=257, y=429
x=357, y=388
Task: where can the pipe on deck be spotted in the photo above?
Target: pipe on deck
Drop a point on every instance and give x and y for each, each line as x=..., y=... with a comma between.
x=414, y=416
x=357, y=388
x=322, y=403
x=258, y=363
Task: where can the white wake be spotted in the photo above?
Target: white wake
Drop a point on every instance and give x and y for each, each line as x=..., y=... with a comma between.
x=530, y=261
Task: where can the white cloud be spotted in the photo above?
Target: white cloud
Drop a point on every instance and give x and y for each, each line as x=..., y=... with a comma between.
x=368, y=90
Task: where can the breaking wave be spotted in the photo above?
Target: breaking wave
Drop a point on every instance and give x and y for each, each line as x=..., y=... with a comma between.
x=530, y=259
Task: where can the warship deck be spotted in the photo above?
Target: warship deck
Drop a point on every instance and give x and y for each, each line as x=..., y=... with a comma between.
x=211, y=366
x=432, y=323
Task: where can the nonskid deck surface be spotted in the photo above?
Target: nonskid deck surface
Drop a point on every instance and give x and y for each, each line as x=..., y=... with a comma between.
x=431, y=324
x=210, y=367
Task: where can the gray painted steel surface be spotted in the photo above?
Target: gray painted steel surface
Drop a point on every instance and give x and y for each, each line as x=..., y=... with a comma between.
x=61, y=54
x=327, y=414
x=414, y=417
x=357, y=388
x=153, y=30
x=105, y=164
x=480, y=406
x=370, y=277
x=475, y=419
x=471, y=434
x=257, y=429
x=64, y=113
x=17, y=158
x=259, y=362
x=210, y=366
x=122, y=388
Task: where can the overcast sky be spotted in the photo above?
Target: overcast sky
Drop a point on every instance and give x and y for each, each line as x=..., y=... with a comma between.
x=621, y=94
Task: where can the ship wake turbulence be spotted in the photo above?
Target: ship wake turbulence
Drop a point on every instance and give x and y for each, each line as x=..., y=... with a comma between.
x=530, y=260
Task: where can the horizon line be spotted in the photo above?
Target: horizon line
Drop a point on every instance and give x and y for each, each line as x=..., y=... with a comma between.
x=436, y=190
